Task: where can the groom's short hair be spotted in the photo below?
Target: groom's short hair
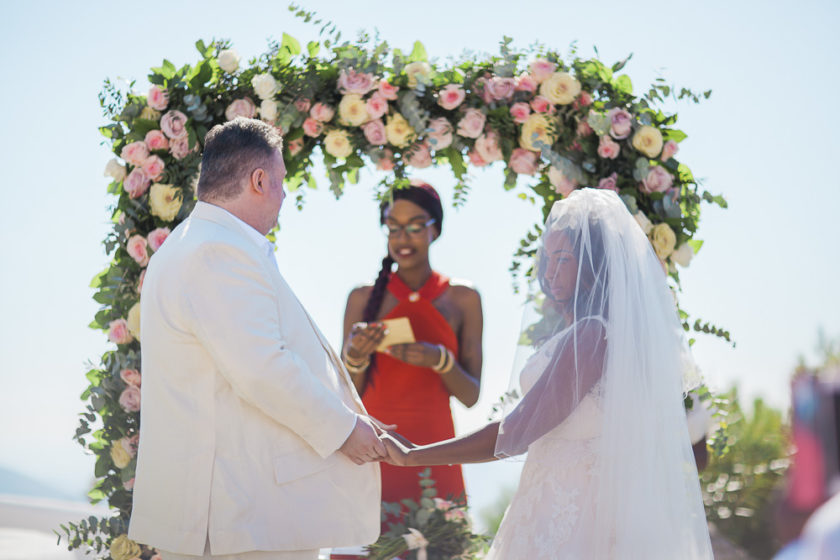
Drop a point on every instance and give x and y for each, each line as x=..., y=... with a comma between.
x=231, y=152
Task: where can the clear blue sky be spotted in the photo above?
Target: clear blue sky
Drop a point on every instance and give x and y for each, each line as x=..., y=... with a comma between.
x=767, y=140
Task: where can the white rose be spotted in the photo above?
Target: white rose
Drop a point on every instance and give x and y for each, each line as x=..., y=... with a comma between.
x=337, y=143
x=683, y=255
x=268, y=109
x=643, y=222
x=228, y=60
x=417, y=71
x=265, y=86
x=115, y=170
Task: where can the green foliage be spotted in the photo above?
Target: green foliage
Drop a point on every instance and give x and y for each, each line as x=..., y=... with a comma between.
x=739, y=486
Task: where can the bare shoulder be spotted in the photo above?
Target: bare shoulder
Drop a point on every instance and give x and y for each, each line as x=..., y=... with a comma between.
x=359, y=294
x=464, y=292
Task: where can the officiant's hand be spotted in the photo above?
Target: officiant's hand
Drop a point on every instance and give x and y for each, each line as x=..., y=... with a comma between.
x=363, y=444
x=421, y=354
x=397, y=449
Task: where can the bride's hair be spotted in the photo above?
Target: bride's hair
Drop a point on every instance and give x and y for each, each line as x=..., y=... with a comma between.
x=426, y=197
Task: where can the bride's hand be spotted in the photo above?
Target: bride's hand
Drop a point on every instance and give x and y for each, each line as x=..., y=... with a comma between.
x=397, y=451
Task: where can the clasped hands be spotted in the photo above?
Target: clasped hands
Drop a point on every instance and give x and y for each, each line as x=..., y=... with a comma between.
x=371, y=440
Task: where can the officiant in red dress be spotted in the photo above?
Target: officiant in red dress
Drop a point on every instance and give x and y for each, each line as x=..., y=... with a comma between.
x=410, y=384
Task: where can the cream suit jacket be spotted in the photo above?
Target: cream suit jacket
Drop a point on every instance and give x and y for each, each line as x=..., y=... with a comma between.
x=244, y=405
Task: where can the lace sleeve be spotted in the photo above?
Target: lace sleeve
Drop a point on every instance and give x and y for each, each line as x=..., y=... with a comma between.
x=574, y=369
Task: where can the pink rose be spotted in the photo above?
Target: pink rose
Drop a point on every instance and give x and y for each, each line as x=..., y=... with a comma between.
x=621, y=123
x=487, y=146
x=302, y=104
x=136, y=248
x=130, y=377
x=377, y=106
x=140, y=281
x=608, y=148
x=295, y=146
x=153, y=166
x=609, y=183
x=157, y=237
x=520, y=111
x=475, y=159
x=350, y=81
x=137, y=183
x=523, y=162
x=541, y=104
x=375, y=132
x=312, y=127
x=501, y=88
x=388, y=91
x=129, y=485
x=180, y=147
x=583, y=129
x=583, y=100
x=118, y=332
x=451, y=96
x=541, y=69
x=480, y=86
x=242, y=107
x=156, y=140
x=421, y=156
x=669, y=150
x=439, y=133
x=472, y=123
x=657, y=180
x=135, y=153
x=174, y=124
x=158, y=98
x=527, y=83
x=130, y=399
x=322, y=112
x=385, y=162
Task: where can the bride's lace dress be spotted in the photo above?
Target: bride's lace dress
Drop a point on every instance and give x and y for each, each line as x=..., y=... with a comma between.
x=549, y=515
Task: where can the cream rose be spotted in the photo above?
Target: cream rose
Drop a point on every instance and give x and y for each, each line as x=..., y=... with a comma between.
x=644, y=222
x=683, y=255
x=561, y=88
x=118, y=332
x=119, y=456
x=268, y=110
x=228, y=60
x=337, y=143
x=663, y=239
x=133, y=320
x=135, y=153
x=439, y=133
x=243, y=107
x=353, y=110
x=115, y=170
x=137, y=249
x=123, y=548
x=399, y=132
x=648, y=140
x=165, y=201
x=149, y=114
x=265, y=86
x=417, y=71
x=542, y=126
x=487, y=146
x=471, y=124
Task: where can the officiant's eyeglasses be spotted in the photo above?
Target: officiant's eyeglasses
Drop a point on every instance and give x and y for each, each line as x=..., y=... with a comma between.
x=392, y=230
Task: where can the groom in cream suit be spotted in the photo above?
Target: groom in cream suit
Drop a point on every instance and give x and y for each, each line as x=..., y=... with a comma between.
x=253, y=443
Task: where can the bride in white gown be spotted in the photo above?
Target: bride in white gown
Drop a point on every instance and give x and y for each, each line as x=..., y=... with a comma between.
x=609, y=473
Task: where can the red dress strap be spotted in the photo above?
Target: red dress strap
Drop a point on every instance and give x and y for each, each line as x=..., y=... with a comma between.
x=430, y=291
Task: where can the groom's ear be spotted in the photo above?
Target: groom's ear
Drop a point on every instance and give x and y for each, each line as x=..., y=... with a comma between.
x=258, y=181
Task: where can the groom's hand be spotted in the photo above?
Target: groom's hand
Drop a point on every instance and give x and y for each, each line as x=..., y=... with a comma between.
x=363, y=445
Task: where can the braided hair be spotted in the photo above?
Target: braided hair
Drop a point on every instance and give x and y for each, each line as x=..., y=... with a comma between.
x=426, y=197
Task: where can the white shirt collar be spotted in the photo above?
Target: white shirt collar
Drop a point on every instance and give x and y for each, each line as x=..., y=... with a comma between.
x=261, y=241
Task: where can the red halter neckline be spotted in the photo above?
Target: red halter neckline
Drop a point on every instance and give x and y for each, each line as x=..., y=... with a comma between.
x=431, y=290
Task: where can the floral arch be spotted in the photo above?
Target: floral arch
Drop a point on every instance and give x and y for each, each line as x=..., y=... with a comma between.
x=554, y=123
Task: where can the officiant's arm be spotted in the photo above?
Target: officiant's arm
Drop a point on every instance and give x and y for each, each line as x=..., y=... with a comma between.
x=232, y=308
